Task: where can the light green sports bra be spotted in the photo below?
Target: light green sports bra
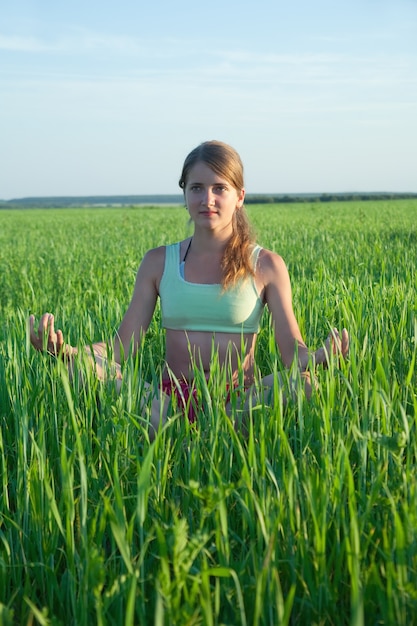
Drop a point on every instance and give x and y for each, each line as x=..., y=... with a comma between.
x=201, y=307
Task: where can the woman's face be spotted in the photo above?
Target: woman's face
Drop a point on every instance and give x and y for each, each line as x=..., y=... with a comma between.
x=210, y=198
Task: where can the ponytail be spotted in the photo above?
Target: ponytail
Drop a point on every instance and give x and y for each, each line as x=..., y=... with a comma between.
x=237, y=258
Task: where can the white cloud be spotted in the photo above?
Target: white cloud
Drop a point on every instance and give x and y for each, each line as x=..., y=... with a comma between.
x=15, y=43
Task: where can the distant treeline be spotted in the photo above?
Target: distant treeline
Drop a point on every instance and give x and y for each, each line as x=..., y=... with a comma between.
x=79, y=201
x=157, y=200
x=325, y=197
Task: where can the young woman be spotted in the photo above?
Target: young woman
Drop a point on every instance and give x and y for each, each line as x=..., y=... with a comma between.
x=213, y=288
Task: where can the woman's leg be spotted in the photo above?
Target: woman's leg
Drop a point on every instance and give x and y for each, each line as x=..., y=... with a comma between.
x=263, y=394
x=154, y=403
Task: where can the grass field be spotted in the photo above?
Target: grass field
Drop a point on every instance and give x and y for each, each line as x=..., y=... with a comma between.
x=311, y=519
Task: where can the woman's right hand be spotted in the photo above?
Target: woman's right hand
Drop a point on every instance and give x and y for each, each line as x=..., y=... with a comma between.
x=47, y=339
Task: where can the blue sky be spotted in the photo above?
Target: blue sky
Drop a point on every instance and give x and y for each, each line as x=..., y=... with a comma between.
x=101, y=97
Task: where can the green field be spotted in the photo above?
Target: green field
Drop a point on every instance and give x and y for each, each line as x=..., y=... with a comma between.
x=310, y=519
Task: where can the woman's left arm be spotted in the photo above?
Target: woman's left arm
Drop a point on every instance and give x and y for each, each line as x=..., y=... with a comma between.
x=278, y=296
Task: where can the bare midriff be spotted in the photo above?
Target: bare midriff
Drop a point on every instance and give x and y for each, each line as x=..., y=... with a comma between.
x=187, y=351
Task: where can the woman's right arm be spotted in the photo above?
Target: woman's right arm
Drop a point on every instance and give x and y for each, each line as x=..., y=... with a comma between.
x=139, y=314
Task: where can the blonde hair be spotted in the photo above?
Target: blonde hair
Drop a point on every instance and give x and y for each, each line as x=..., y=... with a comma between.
x=226, y=162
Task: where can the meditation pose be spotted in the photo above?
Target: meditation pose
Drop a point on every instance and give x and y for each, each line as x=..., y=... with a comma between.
x=212, y=287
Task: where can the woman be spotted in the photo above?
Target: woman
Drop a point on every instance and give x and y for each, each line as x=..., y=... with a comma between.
x=213, y=287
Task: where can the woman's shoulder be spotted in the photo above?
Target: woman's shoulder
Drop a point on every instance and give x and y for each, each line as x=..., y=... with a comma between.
x=152, y=264
x=154, y=254
x=269, y=259
x=270, y=267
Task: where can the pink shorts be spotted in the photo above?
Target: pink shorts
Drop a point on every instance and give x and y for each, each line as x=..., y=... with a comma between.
x=185, y=394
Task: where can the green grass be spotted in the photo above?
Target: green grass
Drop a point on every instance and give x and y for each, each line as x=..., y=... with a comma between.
x=311, y=519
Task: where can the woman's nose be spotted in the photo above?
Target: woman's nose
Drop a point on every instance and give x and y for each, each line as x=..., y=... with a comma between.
x=208, y=197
